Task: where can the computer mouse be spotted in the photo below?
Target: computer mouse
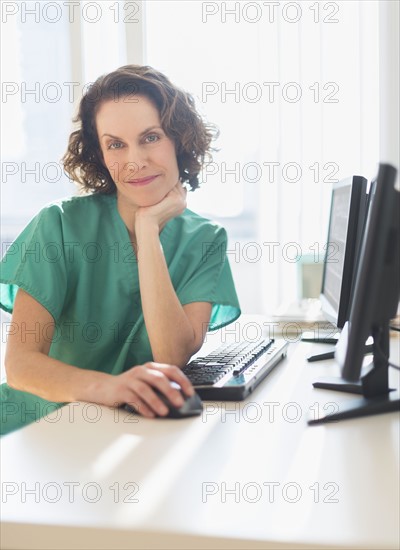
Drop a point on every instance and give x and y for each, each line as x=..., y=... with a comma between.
x=192, y=406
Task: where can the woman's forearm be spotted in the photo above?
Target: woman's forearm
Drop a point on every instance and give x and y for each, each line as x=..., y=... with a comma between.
x=171, y=335
x=37, y=373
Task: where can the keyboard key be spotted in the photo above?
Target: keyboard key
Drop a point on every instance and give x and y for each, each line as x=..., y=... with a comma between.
x=234, y=358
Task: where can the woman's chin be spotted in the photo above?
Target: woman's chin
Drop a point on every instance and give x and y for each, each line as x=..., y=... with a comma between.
x=151, y=201
x=140, y=202
x=143, y=198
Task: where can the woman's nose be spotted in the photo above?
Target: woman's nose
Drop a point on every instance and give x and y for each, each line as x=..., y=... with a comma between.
x=129, y=164
x=135, y=161
x=131, y=168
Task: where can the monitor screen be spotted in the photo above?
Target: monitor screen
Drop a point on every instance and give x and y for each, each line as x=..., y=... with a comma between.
x=346, y=222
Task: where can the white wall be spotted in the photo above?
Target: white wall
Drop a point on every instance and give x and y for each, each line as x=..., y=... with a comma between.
x=389, y=76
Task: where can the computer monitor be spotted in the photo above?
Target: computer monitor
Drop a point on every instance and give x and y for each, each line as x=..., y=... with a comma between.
x=346, y=222
x=374, y=302
x=345, y=229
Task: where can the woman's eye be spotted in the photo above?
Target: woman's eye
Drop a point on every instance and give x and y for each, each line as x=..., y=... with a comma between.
x=152, y=138
x=115, y=145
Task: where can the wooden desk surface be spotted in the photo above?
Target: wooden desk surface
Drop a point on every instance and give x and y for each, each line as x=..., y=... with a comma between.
x=242, y=475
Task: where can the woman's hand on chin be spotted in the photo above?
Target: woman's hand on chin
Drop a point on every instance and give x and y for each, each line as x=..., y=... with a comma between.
x=157, y=215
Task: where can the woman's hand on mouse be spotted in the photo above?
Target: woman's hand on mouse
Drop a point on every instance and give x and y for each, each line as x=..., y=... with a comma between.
x=172, y=205
x=136, y=388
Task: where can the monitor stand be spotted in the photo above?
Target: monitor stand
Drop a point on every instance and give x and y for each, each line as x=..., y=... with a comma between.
x=320, y=336
x=372, y=386
x=369, y=348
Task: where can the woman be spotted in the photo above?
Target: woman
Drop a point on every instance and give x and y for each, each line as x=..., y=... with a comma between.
x=113, y=291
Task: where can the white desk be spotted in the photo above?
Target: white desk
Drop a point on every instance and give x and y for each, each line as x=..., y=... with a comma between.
x=251, y=478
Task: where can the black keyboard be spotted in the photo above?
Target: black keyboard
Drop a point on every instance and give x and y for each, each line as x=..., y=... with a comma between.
x=233, y=370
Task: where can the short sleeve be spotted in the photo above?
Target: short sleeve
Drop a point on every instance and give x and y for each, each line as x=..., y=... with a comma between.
x=209, y=278
x=35, y=262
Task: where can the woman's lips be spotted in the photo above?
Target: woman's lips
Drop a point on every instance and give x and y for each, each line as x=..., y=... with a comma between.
x=142, y=181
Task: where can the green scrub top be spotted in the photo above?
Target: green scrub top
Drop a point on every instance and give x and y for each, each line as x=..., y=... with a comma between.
x=75, y=258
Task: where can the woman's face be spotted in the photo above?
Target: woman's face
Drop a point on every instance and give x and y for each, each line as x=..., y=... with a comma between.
x=138, y=154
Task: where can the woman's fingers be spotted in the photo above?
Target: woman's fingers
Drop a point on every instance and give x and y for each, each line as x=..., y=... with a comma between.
x=140, y=407
x=159, y=380
x=147, y=394
x=146, y=380
x=174, y=373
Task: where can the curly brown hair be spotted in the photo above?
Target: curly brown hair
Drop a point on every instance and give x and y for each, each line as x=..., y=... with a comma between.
x=83, y=161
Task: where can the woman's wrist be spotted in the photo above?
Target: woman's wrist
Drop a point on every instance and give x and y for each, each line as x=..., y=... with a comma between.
x=91, y=386
x=146, y=228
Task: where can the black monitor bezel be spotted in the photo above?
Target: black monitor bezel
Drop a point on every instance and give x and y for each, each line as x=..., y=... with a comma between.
x=355, y=225
x=374, y=302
